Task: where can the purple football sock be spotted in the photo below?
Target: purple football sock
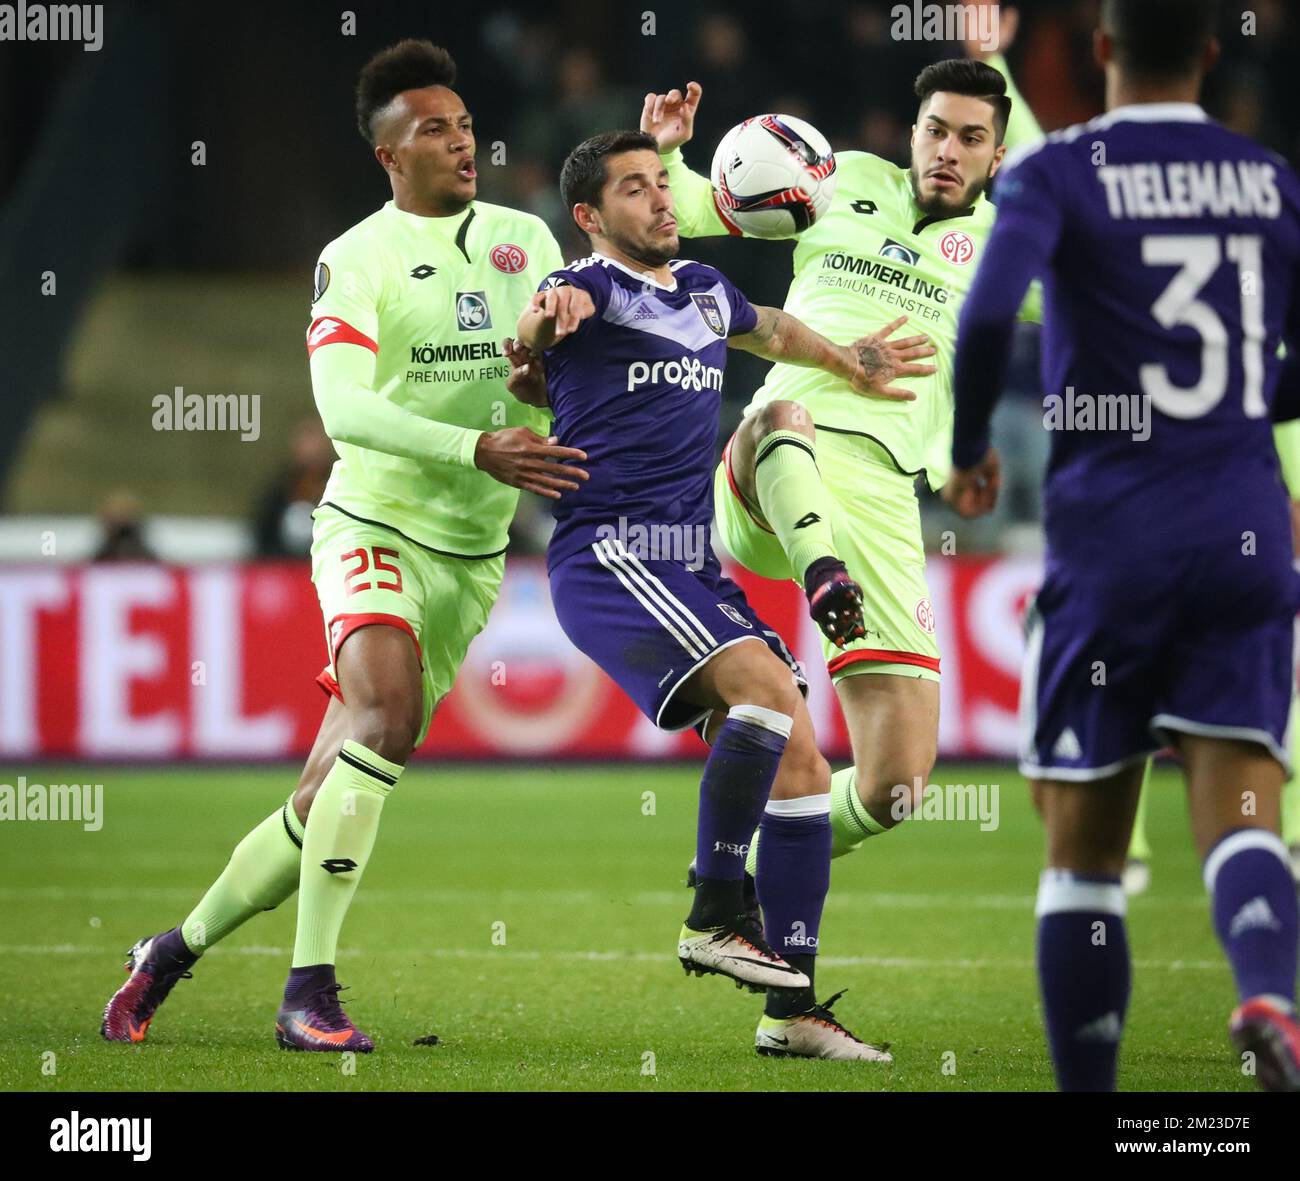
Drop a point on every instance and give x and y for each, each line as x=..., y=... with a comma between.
x=1253, y=901
x=171, y=953
x=794, y=874
x=1083, y=972
x=733, y=791
x=303, y=982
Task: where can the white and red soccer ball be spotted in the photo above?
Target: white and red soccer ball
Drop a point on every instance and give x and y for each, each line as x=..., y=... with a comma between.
x=773, y=176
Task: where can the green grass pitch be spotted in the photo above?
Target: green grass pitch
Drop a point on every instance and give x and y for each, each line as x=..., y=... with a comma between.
x=529, y=918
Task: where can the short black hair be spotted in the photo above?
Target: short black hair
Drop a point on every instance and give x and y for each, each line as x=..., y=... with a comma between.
x=408, y=65
x=963, y=75
x=584, y=173
x=1160, y=39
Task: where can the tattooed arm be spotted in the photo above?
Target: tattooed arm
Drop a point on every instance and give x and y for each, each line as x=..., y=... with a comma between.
x=870, y=364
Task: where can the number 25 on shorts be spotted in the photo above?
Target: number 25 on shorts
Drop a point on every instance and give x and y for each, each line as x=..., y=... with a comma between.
x=366, y=561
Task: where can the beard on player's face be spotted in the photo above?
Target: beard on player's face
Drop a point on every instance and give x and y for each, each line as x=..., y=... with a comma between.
x=937, y=202
x=647, y=249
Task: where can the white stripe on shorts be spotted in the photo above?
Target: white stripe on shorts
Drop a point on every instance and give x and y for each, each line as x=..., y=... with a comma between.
x=686, y=612
x=670, y=622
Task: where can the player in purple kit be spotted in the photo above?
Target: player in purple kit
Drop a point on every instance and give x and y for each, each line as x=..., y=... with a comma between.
x=1169, y=248
x=635, y=348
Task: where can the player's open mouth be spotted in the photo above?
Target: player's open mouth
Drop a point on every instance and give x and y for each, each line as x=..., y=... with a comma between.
x=944, y=178
x=467, y=171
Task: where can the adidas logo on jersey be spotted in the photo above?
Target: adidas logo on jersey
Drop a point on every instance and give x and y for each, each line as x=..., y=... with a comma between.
x=1106, y=1028
x=1067, y=746
x=1255, y=914
x=645, y=312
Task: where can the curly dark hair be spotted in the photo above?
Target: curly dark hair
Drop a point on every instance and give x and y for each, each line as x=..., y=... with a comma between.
x=962, y=75
x=408, y=65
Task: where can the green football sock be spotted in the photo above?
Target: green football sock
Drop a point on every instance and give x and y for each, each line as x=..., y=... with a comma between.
x=1138, y=847
x=262, y=873
x=1291, y=788
x=793, y=498
x=341, y=830
x=851, y=823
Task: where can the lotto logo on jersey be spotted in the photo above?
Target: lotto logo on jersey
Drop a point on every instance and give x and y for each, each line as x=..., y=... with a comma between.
x=508, y=258
x=957, y=247
x=690, y=373
x=472, y=311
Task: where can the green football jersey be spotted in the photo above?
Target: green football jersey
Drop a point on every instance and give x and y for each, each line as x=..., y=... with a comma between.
x=872, y=257
x=432, y=297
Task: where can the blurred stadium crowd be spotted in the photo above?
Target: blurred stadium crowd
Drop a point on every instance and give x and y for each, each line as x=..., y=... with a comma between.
x=179, y=183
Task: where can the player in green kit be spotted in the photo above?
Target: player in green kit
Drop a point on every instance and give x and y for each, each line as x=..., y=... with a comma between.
x=817, y=484
x=410, y=376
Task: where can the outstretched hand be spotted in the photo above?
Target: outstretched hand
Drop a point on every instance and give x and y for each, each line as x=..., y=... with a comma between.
x=1003, y=21
x=879, y=361
x=553, y=314
x=670, y=117
x=523, y=459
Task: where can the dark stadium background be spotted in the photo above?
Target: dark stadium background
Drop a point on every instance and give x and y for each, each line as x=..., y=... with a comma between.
x=166, y=270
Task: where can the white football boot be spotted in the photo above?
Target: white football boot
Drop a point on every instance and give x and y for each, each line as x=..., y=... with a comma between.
x=738, y=951
x=815, y=1034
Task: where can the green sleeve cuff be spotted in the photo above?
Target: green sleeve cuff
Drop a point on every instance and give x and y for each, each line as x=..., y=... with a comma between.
x=468, y=447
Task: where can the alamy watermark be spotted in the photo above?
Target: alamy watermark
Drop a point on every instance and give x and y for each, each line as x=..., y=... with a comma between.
x=81, y=802
x=949, y=801
x=1099, y=412
x=947, y=22
x=53, y=22
x=99, y=1133
x=179, y=411
x=687, y=544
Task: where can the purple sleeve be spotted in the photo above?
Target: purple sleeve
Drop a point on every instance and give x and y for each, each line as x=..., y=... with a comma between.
x=1019, y=250
x=593, y=280
x=743, y=317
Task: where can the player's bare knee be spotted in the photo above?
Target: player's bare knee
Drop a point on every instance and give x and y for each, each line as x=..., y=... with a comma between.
x=389, y=730
x=803, y=772
x=892, y=793
x=779, y=415
x=305, y=793
x=775, y=691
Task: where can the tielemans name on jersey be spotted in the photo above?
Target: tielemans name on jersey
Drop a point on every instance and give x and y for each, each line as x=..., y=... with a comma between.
x=1192, y=188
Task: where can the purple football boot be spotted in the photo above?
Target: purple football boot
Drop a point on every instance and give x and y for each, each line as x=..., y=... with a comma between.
x=311, y=1016
x=834, y=601
x=153, y=966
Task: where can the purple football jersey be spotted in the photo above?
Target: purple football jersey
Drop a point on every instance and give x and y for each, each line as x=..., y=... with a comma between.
x=1169, y=249
x=638, y=387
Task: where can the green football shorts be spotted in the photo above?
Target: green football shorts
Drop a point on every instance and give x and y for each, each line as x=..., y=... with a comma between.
x=877, y=528
x=366, y=573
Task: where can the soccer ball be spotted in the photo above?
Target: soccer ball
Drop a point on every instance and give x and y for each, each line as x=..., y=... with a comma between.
x=774, y=176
